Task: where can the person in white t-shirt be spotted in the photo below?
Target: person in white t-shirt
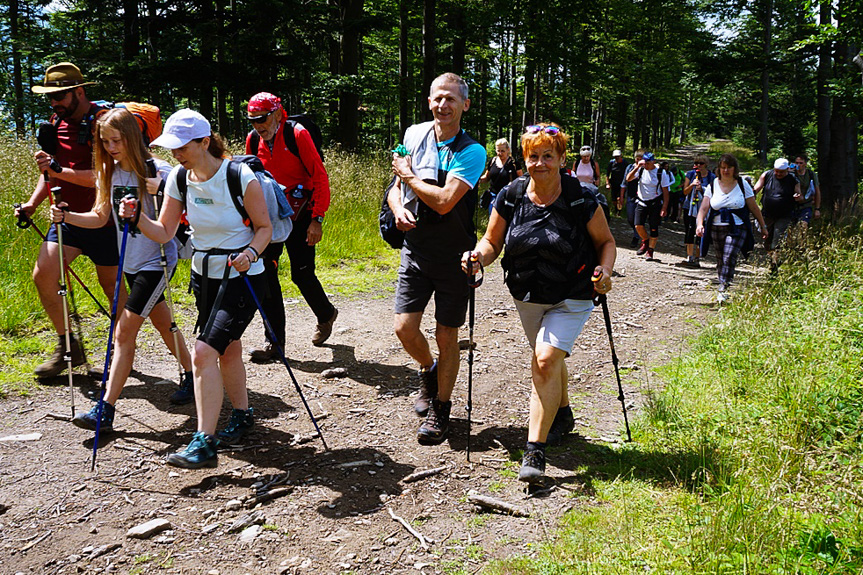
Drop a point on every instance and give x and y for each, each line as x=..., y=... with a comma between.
x=219, y=234
x=723, y=219
x=122, y=167
x=651, y=204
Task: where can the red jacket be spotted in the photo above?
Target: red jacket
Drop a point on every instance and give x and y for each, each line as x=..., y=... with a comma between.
x=290, y=171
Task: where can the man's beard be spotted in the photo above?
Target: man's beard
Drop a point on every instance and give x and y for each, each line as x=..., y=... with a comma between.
x=63, y=112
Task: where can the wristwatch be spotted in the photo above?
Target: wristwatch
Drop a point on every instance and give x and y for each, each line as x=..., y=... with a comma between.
x=319, y=219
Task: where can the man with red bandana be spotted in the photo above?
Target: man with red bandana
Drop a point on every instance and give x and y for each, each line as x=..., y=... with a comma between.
x=308, y=188
x=70, y=170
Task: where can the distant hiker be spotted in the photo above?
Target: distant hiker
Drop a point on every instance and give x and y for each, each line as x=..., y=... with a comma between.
x=122, y=165
x=225, y=306
x=810, y=188
x=723, y=220
x=433, y=203
x=628, y=194
x=696, y=180
x=556, y=241
x=781, y=196
x=586, y=170
x=500, y=171
x=614, y=175
x=651, y=205
x=288, y=152
x=675, y=190
x=70, y=169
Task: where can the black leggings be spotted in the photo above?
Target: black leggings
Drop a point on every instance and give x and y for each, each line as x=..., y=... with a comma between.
x=689, y=229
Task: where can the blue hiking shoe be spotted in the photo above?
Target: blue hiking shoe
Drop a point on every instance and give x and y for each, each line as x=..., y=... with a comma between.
x=186, y=393
x=201, y=452
x=89, y=420
x=240, y=423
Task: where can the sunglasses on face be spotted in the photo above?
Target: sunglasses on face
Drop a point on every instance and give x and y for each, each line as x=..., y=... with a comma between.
x=59, y=96
x=261, y=119
x=550, y=130
x=700, y=163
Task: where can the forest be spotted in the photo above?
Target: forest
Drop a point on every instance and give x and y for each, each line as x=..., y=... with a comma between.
x=779, y=76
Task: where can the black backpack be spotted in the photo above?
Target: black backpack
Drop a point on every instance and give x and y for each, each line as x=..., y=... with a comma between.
x=393, y=236
x=306, y=122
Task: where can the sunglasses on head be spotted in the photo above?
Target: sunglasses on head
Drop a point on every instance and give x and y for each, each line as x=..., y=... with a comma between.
x=550, y=130
x=58, y=96
x=261, y=119
x=700, y=163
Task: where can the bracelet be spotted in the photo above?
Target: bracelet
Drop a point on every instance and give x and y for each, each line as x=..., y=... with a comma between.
x=254, y=251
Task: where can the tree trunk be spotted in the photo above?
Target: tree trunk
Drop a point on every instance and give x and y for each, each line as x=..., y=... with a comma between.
x=459, y=41
x=131, y=45
x=484, y=78
x=528, y=117
x=17, y=79
x=429, y=51
x=513, y=94
x=825, y=64
x=349, y=98
x=621, y=114
x=767, y=22
x=404, y=69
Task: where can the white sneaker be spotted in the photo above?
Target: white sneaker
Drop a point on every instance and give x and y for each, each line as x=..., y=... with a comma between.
x=722, y=297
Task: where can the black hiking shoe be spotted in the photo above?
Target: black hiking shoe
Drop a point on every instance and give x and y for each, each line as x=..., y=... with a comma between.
x=201, y=452
x=186, y=393
x=532, y=466
x=240, y=423
x=266, y=355
x=428, y=390
x=57, y=362
x=89, y=420
x=642, y=248
x=562, y=425
x=436, y=426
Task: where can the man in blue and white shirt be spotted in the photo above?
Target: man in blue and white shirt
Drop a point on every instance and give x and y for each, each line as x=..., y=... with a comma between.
x=651, y=205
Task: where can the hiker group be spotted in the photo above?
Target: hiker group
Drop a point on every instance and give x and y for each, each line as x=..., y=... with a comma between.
x=130, y=213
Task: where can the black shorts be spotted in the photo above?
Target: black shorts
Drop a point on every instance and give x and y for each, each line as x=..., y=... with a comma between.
x=235, y=311
x=100, y=245
x=146, y=289
x=649, y=213
x=418, y=279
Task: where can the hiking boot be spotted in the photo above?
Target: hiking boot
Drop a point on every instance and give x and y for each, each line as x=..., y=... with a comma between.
x=648, y=255
x=201, y=452
x=266, y=355
x=428, y=390
x=687, y=263
x=323, y=330
x=186, y=393
x=563, y=424
x=436, y=426
x=635, y=242
x=88, y=420
x=532, y=466
x=57, y=363
x=643, y=248
x=239, y=424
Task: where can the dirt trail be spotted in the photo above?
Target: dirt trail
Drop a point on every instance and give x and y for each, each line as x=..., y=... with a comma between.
x=57, y=517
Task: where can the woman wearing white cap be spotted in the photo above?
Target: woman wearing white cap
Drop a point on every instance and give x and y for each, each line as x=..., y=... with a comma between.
x=223, y=300
x=587, y=169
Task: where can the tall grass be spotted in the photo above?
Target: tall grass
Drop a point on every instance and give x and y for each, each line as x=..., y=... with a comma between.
x=755, y=462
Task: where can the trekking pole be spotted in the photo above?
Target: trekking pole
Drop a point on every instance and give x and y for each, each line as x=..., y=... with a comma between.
x=164, y=261
x=272, y=334
x=24, y=222
x=473, y=283
x=110, y=337
x=598, y=299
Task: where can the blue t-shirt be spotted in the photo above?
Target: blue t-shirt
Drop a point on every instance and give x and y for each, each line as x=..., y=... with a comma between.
x=467, y=164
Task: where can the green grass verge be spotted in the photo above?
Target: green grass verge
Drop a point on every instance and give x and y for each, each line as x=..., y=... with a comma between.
x=748, y=161
x=755, y=460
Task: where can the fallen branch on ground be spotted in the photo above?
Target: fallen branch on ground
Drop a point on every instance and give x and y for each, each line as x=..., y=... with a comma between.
x=411, y=530
x=496, y=505
x=417, y=475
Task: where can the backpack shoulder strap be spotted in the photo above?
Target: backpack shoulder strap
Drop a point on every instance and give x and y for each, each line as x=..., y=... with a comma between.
x=151, y=167
x=254, y=141
x=291, y=138
x=182, y=185
x=512, y=195
x=236, y=190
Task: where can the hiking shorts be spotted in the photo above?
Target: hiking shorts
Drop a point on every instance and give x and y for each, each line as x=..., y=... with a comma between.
x=804, y=214
x=557, y=325
x=776, y=230
x=100, y=244
x=418, y=279
x=235, y=312
x=146, y=289
x=649, y=213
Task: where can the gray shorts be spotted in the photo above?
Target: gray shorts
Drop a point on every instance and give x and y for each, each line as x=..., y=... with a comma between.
x=557, y=325
x=776, y=230
x=419, y=278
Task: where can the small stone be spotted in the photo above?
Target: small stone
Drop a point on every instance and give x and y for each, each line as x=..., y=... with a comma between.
x=250, y=533
x=210, y=528
x=334, y=372
x=173, y=474
x=233, y=505
x=148, y=529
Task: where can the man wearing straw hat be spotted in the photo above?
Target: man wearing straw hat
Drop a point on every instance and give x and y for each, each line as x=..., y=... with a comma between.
x=66, y=160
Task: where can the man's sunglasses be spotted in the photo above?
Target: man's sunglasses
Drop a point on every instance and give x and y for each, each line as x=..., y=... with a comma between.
x=261, y=119
x=700, y=163
x=61, y=95
x=550, y=130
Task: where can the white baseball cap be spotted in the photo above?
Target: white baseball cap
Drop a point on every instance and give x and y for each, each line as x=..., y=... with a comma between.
x=780, y=164
x=586, y=151
x=616, y=153
x=181, y=128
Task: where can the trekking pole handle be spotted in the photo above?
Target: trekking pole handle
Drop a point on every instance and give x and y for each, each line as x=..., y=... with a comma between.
x=24, y=221
x=598, y=298
x=474, y=279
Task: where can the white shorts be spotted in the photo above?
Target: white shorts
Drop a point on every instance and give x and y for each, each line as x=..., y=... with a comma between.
x=557, y=325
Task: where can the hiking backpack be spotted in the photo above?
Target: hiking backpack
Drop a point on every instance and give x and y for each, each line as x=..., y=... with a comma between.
x=278, y=208
x=147, y=115
x=303, y=120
